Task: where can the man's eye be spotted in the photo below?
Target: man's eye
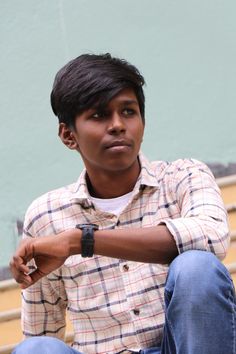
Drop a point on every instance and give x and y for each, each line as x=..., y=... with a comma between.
x=97, y=115
x=128, y=111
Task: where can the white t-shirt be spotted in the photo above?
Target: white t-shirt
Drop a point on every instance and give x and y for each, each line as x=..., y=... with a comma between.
x=112, y=205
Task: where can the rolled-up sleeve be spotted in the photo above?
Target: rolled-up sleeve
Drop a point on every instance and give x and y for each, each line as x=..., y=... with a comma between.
x=203, y=222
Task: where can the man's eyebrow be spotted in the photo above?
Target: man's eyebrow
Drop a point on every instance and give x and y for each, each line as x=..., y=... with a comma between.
x=102, y=107
x=129, y=102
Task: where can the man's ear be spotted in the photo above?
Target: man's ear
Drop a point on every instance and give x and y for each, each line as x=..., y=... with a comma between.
x=67, y=137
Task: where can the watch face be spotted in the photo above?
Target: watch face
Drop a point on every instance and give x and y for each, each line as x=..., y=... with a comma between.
x=83, y=226
x=87, y=239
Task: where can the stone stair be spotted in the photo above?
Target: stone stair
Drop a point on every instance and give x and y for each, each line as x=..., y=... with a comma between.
x=10, y=299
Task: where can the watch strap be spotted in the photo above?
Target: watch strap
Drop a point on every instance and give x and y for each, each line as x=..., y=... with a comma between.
x=87, y=239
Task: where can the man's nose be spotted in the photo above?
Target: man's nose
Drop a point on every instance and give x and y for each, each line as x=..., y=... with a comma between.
x=116, y=124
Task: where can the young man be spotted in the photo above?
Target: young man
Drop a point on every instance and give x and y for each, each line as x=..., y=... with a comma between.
x=102, y=247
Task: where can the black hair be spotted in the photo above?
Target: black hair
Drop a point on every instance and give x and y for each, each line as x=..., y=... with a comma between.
x=93, y=80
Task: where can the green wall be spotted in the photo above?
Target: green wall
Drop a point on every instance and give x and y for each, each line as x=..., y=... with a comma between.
x=186, y=50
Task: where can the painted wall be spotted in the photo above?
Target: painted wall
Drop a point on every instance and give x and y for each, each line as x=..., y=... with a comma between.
x=185, y=49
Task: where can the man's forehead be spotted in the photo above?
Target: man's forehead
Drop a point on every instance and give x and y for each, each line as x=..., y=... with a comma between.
x=125, y=96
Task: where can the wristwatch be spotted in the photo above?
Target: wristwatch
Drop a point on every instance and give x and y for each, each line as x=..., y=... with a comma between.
x=87, y=239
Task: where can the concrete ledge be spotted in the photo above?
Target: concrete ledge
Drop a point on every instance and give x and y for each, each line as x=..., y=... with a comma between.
x=230, y=207
x=233, y=236
x=10, y=315
x=231, y=267
x=8, y=285
x=226, y=181
x=7, y=349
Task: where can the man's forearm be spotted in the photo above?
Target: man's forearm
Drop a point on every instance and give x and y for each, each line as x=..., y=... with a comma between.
x=151, y=244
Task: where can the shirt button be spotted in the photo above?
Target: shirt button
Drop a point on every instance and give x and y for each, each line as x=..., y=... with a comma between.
x=125, y=268
x=136, y=312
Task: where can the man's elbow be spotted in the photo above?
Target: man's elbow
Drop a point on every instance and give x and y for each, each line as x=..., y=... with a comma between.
x=220, y=244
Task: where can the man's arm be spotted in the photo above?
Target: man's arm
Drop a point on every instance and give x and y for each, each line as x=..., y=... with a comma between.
x=202, y=223
x=151, y=244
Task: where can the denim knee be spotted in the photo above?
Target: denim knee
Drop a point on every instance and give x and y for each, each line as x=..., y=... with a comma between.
x=41, y=345
x=200, y=306
x=199, y=272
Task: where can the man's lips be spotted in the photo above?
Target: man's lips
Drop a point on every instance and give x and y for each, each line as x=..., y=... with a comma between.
x=117, y=143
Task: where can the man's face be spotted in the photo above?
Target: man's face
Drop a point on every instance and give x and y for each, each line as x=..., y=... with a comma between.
x=109, y=139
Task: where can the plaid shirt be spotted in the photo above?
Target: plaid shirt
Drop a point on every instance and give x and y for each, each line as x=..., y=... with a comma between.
x=115, y=304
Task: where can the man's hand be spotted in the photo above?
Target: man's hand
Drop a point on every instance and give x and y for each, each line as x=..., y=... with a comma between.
x=49, y=253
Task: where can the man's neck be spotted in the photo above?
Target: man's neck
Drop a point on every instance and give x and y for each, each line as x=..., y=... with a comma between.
x=113, y=184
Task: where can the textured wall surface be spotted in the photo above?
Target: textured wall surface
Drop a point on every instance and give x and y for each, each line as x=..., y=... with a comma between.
x=186, y=50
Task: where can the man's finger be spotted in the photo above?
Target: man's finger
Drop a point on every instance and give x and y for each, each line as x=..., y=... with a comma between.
x=25, y=282
x=17, y=264
x=23, y=279
x=36, y=275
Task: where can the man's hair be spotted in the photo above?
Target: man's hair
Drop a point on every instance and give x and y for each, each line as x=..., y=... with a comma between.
x=90, y=81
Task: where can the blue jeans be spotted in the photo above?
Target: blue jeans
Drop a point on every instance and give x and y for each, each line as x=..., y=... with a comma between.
x=200, y=311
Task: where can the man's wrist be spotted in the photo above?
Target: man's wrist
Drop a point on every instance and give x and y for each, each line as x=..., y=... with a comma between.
x=73, y=237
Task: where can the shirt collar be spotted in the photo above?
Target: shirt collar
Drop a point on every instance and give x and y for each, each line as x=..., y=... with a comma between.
x=148, y=175
x=147, y=178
